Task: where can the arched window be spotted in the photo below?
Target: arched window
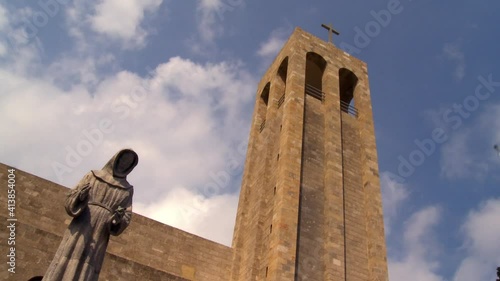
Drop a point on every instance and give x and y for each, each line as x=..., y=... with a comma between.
x=315, y=67
x=281, y=81
x=347, y=84
x=264, y=96
x=262, y=106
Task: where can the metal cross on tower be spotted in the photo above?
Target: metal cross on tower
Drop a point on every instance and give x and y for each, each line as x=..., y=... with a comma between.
x=331, y=31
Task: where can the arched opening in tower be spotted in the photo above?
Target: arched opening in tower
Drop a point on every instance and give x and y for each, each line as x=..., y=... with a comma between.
x=354, y=217
x=262, y=106
x=347, y=85
x=311, y=226
x=315, y=67
x=281, y=82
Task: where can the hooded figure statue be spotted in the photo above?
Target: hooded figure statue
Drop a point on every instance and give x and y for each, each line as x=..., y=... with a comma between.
x=101, y=204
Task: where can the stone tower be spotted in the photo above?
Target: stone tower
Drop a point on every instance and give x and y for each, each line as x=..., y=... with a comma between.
x=310, y=204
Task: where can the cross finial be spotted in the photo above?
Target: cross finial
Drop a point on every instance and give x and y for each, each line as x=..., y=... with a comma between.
x=331, y=31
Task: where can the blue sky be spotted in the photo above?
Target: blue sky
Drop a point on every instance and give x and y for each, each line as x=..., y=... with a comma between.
x=175, y=80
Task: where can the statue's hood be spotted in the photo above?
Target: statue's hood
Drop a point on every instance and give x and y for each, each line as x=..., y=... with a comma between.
x=110, y=172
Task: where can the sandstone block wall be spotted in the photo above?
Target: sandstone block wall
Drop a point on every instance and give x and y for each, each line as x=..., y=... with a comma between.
x=147, y=250
x=326, y=218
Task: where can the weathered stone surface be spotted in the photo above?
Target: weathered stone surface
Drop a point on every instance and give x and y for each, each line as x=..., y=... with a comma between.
x=326, y=213
x=147, y=250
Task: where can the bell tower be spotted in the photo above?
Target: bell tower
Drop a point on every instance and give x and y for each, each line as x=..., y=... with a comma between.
x=310, y=203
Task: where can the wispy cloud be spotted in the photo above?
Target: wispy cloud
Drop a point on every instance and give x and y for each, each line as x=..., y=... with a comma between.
x=212, y=218
x=274, y=43
x=196, y=126
x=468, y=154
x=211, y=25
x=482, y=245
x=4, y=23
x=269, y=48
x=191, y=117
x=4, y=20
x=489, y=123
x=110, y=21
x=453, y=53
x=122, y=19
x=393, y=195
x=459, y=161
x=198, y=118
x=418, y=261
x=421, y=255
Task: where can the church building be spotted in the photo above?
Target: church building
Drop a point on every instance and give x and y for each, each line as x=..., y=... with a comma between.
x=310, y=205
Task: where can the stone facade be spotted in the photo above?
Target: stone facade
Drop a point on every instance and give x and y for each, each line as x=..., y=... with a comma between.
x=147, y=250
x=310, y=204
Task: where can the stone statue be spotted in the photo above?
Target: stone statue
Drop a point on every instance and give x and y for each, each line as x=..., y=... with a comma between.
x=101, y=204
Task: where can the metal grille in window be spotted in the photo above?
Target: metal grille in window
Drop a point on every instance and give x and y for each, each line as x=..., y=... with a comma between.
x=315, y=92
x=344, y=106
x=262, y=126
x=281, y=100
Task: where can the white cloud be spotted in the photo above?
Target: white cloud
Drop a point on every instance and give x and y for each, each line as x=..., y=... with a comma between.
x=122, y=18
x=273, y=44
x=482, y=245
x=393, y=195
x=120, y=23
x=210, y=13
x=185, y=120
x=69, y=70
x=419, y=257
x=452, y=52
x=458, y=161
x=270, y=48
x=211, y=17
x=183, y=110
x=19, y=44
x=212, y=218
x=469, y=154
x=489, y=123
x=3, y=50
x=4, y=20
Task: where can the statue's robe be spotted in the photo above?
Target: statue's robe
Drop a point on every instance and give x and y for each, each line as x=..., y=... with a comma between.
x=81, y=252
